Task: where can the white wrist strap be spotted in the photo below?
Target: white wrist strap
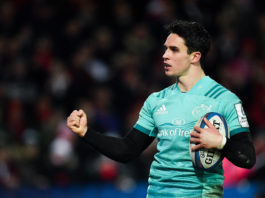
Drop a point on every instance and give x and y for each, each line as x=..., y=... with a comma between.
x=221, y=146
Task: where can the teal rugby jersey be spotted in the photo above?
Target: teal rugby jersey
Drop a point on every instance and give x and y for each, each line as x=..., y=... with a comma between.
x=170, y=115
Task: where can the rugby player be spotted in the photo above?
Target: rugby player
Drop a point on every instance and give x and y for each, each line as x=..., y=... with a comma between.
x=170, y=115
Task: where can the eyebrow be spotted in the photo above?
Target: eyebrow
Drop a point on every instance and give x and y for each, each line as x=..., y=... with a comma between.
x=172, y=47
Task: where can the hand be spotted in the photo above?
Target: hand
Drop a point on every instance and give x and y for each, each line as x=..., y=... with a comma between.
x=77, y=122
x=206, y=137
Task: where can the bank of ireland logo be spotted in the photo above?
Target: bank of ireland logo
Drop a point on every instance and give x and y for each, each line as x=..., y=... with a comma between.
x=201, y=109
x=162, y=110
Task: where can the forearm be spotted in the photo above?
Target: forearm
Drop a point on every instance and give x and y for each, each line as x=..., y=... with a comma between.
x=119, y=149
x=239, y=149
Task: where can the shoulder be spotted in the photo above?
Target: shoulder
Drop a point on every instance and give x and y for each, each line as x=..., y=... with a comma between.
x=219, y=92
x=156, y=97
x=163, y=93
x=228, y=95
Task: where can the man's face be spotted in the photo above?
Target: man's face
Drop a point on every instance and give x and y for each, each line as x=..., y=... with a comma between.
x=176, y=57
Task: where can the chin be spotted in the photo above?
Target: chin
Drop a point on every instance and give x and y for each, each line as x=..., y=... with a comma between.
x=169, y=74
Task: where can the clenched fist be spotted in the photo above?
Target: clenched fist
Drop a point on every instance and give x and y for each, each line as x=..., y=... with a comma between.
x=77, y=122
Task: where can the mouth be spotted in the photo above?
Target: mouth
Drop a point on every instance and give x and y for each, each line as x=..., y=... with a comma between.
x=166, y=66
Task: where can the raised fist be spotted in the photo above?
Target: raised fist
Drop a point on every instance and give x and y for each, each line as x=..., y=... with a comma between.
x=77, y=122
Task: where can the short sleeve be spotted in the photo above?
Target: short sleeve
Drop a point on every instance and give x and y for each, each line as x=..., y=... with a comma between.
x=235, y=115
x=145, y=121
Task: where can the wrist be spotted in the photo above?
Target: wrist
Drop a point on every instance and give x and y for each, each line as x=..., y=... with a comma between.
x=84, y=132
x=222, y=144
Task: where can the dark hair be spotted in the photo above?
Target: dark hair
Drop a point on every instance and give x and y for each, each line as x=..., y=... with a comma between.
x=196, y=37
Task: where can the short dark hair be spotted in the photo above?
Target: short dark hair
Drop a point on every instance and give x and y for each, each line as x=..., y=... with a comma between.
x=196, y=37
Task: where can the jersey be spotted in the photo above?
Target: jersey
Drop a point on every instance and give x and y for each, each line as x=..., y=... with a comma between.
x=170, y=115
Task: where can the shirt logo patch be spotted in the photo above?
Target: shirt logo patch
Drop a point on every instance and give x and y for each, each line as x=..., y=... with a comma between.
x=242, y=118
x=201, y=109
x=178, y=122
x=162, y=110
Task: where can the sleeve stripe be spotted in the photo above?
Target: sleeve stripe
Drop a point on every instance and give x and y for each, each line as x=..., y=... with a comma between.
x=142, y=129
x=215, y=92
x=219, y=94
x=239, y=130
x=211, y=90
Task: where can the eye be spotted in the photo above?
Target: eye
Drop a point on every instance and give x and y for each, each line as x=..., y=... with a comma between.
x=174, y=49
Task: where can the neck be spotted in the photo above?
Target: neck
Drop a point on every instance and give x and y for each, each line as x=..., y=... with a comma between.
x=185, y=83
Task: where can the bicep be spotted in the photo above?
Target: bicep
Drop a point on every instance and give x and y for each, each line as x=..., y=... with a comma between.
x=119, y=149
x=139, y=140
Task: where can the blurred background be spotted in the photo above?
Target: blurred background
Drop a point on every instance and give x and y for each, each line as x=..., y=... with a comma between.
x=105, y=57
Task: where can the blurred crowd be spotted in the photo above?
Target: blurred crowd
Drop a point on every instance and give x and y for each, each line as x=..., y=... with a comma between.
x=105, y=57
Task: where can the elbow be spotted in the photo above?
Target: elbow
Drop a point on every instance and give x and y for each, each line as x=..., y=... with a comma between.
x=246, y=162
x=124, y=160
x=125, y=157
x=250, y=163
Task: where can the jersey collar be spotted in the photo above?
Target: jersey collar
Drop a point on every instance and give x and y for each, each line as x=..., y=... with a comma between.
x=198, y=87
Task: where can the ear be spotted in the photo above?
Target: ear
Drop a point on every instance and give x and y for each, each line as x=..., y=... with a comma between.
x=195, y=57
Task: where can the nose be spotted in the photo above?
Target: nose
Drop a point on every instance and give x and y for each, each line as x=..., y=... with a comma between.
x=165, y=55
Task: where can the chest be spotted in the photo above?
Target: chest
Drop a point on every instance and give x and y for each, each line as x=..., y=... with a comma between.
x=182, y=111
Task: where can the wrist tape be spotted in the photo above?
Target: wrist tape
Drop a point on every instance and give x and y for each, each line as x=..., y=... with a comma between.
x=221, y=146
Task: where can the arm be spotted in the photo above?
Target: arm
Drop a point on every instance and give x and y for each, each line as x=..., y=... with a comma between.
x=119, y=149
x=238, y=149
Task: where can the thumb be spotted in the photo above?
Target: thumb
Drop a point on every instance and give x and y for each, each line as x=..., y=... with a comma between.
x=80, y=112
x=208, y=123
x=83, y=118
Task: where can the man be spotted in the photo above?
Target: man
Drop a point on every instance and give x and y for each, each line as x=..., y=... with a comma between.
x=170, y=116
